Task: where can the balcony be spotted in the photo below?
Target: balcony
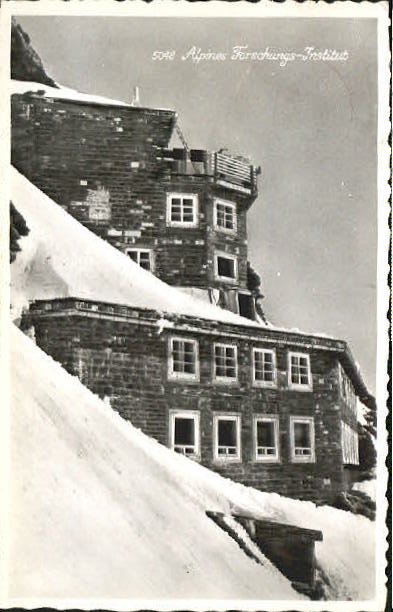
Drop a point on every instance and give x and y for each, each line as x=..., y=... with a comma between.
x=232, y=172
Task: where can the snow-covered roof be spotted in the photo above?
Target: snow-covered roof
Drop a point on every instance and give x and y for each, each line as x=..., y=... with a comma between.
x=65, y=93
x=114, y=514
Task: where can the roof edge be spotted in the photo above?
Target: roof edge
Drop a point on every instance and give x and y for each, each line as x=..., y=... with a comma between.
x=52, y=306
x=353, y=370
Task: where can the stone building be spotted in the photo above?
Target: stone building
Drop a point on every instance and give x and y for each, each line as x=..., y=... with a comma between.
x=271, y=408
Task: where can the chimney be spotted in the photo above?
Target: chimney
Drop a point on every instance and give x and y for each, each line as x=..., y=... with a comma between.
x=135, y=97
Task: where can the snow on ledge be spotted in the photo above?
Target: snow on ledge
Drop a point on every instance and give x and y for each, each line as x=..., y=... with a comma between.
x=65, y=93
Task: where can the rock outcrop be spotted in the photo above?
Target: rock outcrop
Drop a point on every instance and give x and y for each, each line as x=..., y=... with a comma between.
x=26, y=64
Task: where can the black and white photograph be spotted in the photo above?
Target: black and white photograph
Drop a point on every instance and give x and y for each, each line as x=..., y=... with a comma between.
x=194, y=333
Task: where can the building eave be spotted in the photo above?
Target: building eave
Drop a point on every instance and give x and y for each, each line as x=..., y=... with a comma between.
x=166, y=320
x=353, y=371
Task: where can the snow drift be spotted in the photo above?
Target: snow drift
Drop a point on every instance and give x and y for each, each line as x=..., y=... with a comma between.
x=62, y=258
x=98, y=509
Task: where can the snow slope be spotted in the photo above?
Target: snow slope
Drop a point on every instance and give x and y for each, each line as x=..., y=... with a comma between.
x=62, y=258
x=367, y=486
x=98, y=509
x=49, y=266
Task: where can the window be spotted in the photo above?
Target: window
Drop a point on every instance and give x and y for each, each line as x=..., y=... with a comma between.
x=349, y=444
x=225, y=267
x=266, y=438
x=226, y=432
x=299, y=371
x=246, y=305
x=301, y=433
x=182, y=209
x=225, y=215
x=264, y=370
x=183, y=359
x=184, y=435
x=143, y=257
x=225, y=362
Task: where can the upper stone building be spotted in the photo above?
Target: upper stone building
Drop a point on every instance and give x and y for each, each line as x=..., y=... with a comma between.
x=272, y=408
x=180, y=214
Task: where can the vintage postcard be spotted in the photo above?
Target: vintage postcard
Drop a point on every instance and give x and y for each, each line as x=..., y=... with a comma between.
x=194, y=296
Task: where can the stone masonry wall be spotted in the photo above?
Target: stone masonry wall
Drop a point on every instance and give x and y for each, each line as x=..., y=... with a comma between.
x=128, y=363
x=105, y=165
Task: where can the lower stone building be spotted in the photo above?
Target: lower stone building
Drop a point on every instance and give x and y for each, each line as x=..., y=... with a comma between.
x=269, y=408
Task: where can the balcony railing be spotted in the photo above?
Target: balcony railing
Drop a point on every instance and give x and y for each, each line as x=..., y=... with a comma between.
x=231, y=171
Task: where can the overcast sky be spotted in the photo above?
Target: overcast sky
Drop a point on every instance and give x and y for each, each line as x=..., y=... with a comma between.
x=310, y=125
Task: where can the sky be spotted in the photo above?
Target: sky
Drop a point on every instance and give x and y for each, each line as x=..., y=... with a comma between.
x=311, y=126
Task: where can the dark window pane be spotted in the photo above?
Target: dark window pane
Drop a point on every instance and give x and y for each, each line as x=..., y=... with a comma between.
x=220, y=216
x=302, y=434
x=184, y=431
x=183, y=356
x=133, y=255
x=144, y=260
x=189, y=368
x=246, y=306
x=226, y=267
x=226, y=433
x=265, y=433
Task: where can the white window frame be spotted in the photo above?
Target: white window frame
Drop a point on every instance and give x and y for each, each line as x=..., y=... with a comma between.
x=264, y=383
x=224, y=379
x=299, y=386
x=226, y=279
x=183, y=376
x=195, y=207
x=233, y=206
x=296, y=458
x=138, y=251
x=266, y=418
x=185, y=414
x=227, y=417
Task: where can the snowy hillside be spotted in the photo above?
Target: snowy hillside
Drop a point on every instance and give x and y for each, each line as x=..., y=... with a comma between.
x=99, y=509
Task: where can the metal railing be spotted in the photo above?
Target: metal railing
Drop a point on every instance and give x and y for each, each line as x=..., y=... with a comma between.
x=233, y=172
